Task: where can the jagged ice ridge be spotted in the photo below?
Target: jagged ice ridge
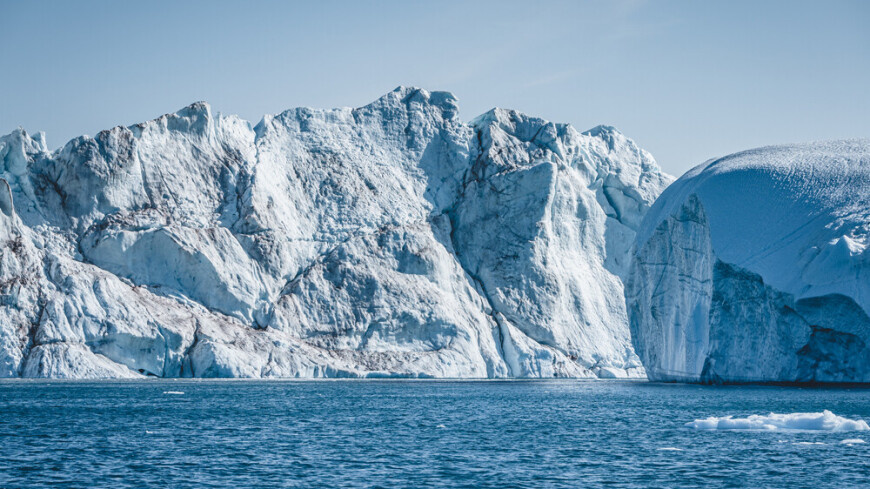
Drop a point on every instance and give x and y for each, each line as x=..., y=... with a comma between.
x=387, y=240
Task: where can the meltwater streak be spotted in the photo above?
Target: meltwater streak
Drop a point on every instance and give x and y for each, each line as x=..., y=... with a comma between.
x=403, y=434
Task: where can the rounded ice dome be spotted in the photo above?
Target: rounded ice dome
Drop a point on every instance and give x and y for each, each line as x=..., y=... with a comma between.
x=754, y=268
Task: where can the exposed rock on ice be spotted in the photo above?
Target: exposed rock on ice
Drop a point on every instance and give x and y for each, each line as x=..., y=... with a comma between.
x=388, y=240
x=754, y=267
x=824, y=421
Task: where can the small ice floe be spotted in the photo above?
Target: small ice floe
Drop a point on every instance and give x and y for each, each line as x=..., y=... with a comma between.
x=174, y=393
x=441, y=426
x=824, y=421
x=852, y=441
x=149, y=432
x=669, y=449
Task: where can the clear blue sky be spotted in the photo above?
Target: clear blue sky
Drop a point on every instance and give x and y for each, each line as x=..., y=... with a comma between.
x=688, y=80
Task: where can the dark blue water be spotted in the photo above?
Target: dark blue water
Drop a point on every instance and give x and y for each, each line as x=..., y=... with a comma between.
x=415, y=434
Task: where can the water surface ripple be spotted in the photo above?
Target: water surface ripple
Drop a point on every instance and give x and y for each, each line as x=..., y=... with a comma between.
x=397, y=434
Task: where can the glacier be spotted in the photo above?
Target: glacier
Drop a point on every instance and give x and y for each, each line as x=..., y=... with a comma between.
x=387, y=240
x=755, y=268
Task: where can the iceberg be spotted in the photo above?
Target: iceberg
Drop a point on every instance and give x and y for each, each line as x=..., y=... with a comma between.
x=388, y=240
x=754, y=268
x=824, y=421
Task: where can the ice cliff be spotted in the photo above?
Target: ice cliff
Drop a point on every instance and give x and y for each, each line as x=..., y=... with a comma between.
x=755, y=267
x=388, y=240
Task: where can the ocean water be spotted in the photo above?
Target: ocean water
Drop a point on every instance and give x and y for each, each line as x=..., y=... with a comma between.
x=416, y=434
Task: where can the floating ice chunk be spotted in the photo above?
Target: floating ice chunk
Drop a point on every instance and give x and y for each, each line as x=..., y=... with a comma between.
x=852, y=441
x=177, y=393
x=824, y=421
x=670, y=449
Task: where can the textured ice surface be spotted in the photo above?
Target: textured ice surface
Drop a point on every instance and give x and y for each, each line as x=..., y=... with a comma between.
x=824, y=421
x=387, y=240
x=754, y=267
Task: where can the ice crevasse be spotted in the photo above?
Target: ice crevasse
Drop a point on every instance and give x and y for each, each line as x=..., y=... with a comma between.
x=387, y=240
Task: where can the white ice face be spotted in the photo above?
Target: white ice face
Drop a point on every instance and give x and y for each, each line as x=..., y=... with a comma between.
x=388, y=240
x=754, y=267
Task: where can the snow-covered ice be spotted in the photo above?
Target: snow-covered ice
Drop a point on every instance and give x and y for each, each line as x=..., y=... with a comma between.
x=824, y=421
x=387, y=240
x=754, y=267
